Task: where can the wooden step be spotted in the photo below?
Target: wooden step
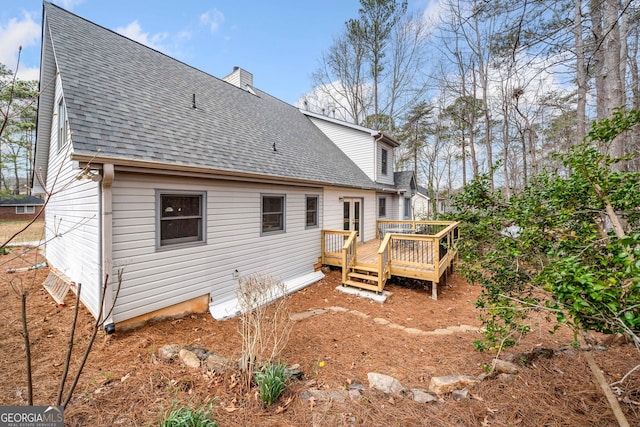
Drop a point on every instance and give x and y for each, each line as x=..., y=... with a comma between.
x=362, y=276
x=361, y=267
x=361, y=285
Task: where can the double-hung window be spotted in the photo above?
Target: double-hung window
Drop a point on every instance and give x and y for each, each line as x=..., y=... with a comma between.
x=407, y=207
x=180, y=218
x=25, y=209
x=382, y=207
x=384, y=161
x=312, y=211
x=273, y=211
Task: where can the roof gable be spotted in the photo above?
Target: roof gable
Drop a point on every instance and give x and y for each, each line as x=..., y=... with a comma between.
x=126, y=101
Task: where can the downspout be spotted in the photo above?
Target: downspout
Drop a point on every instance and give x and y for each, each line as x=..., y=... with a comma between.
x=107, y=243
x=377, y=137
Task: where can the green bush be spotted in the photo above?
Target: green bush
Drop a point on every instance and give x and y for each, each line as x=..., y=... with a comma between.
x=188, y=417
x=271, y=380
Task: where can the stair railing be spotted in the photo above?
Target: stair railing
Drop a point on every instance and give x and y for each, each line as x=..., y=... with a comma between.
x=349, y=255
x=384, y=261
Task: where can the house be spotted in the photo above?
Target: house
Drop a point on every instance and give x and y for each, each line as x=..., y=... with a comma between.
x=422, y=207
x=187, y=182
x=20, y=208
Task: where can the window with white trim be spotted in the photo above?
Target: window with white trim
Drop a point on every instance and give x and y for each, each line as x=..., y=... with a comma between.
x=382, y=207
x=180, y=218
x=62, y=124
x=312, y=211
x=25, y=210
x=383, y=161
x=273, y=210
x=407, y=207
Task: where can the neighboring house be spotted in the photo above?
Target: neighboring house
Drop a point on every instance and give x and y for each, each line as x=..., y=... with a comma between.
x=422, y=206
x=185, y=181
x=20, y=208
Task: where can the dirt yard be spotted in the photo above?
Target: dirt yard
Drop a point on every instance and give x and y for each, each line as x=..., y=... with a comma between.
x=125, y=383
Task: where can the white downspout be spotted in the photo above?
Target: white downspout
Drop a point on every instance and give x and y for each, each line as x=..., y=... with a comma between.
x=107, y=244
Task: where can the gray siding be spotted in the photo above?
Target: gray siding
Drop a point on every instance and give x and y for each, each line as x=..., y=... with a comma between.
x=356, y=144
x=155, y=278
x=72, y=221
x=333, y=210
x=391, y=161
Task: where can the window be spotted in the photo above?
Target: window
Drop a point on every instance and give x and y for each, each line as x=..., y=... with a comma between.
x=62, y=124
x=407, y=207
x=383, y=161
x=312, y=211
x=180, y=218
x=272, y=213
x=382, y=207
x=25, y=209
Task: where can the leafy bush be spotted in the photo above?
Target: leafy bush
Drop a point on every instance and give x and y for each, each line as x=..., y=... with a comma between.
x=575, y=251
x=188, y=417
x=271, y=380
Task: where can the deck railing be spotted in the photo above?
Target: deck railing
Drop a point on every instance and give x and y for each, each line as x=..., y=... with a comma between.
x=349, y=254
x=332, y=243
x=384, y=262
x=410, y=227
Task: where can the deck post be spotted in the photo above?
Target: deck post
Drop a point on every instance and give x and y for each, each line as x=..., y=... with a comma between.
x=436, y=269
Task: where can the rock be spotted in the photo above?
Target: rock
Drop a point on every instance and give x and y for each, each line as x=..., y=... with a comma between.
x=381, y=321
x=443, y=385
x=325, y=269
x=506, y=377
x=168, y=352
x=198, y=350
x=218, y=364
x=414, y=331
x=461, y=395
x=527, y=358
x=189, y=359
x=422, y=396
x=295, y=374
x=323, y=395
x=355, y=394
x=504, y=367
x=384, y=383
x=306, y=314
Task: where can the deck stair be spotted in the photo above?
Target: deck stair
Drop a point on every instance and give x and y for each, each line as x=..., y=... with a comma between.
x=363, y=276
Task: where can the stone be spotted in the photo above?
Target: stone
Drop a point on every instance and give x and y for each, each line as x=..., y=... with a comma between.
x=168, y=352
x=446, y=384
x=422, y=396
x=189, y=359
x=355, y=394
x=461, y=395
x=504, y=367
x=325, y=269
x=384, y=383
x=323, y=395
x=198, y=350
x=307, y=314
x=414, y=331
x=381, y=321
x=506, y=377
x=218, y=364
x=338, y=309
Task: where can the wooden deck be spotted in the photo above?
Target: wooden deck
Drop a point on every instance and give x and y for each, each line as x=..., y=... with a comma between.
x=403, y=249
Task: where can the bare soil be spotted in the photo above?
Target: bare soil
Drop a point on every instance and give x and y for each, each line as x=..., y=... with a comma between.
x=124, y=383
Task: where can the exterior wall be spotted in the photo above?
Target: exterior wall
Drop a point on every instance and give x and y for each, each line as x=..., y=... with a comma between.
x=421, y=207
x=156, y=278
x=391, y=161
x=72, y=220
x=333, y=210
x=8, y=213
x=354, y=143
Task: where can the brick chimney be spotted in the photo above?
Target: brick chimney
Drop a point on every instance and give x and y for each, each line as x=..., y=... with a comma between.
x=240, y=78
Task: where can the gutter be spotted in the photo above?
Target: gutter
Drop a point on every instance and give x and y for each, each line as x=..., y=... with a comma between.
x=107, y=246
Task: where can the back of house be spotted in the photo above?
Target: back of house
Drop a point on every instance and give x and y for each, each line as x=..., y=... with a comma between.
x=184, y=182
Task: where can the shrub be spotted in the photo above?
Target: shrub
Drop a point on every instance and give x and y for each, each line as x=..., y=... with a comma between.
x=271, y=380
x=187, y=417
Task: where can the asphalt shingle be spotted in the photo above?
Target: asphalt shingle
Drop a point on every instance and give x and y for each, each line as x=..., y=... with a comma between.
x=128, y=101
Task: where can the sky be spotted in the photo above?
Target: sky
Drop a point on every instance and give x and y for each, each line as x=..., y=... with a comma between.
x=280, y=42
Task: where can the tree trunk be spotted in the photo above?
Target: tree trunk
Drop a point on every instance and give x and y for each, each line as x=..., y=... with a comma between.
x=581, y=75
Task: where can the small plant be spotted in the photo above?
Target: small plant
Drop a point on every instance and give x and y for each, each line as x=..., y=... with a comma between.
x=271, y=380
x=188, y=417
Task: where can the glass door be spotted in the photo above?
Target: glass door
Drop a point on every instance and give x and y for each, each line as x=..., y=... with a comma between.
x=352, y=213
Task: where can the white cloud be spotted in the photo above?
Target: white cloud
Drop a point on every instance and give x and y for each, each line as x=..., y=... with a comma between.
x=135, y=32
x=17, y=32
x=213, y=19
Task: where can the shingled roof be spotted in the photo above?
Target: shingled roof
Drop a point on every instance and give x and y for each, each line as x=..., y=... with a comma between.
x=128, y=102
